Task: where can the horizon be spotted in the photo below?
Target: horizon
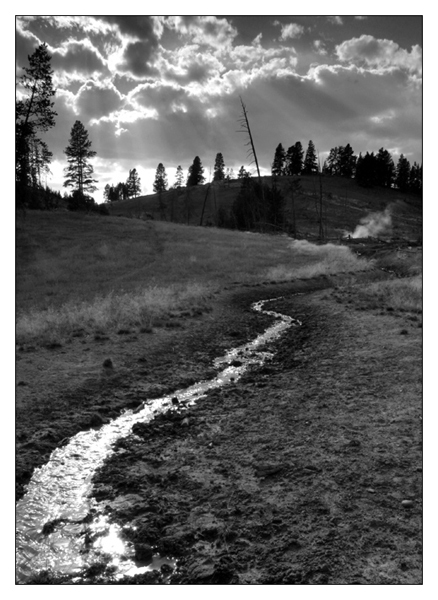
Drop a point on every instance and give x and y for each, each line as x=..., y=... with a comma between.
x=153, y=90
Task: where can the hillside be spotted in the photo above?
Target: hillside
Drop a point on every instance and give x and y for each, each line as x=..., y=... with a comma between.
x=295, y=471
x=344, y=204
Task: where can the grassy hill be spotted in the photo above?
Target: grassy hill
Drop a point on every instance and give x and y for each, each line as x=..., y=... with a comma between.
x=344, y=204
x=80, y=271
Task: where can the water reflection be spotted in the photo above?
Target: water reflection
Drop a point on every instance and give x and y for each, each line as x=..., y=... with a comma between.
x=59, y=492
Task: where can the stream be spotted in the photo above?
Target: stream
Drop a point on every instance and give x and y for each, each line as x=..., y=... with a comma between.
x=60, y=528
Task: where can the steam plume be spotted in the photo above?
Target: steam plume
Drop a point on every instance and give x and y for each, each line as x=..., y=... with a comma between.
x=374, y=224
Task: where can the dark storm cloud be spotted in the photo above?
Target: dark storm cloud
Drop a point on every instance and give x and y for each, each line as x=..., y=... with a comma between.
x=142, y=45
x=25, y=44
x=80, y=57
x=140, y=27
x=94, y=101
x=136, y=57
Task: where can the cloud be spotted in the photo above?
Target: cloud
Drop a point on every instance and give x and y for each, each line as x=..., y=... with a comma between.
x=138, y=44
x=371, y=52
x=335, y=20
x=210, y=31
x=78, y=58
x=188, y=64
x=320, y=47
x=136, y=59
x=95, y=100
x=25, y=45
x=138, y=27
x=290, y=30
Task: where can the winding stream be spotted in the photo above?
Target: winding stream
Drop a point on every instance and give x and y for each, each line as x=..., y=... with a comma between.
x=59, y=527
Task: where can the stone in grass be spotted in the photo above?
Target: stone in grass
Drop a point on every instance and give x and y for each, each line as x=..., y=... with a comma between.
x=108, y=364
x=407, y=504
x=404, y=332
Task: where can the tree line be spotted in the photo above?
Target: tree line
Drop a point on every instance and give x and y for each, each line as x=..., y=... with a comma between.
x=372, y=169
x=35, y=114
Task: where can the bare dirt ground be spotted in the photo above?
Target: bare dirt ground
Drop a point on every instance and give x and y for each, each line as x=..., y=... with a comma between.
x=306, y=471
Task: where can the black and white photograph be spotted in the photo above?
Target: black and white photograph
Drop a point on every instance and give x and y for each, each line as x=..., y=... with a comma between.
x=219, y=300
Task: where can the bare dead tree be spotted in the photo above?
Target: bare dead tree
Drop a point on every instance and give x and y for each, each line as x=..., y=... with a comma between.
x=321, y=221
x=244, y=123
x=205, y=202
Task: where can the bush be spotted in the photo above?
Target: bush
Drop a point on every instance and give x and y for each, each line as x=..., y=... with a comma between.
x=80, y=201
x=35, y=197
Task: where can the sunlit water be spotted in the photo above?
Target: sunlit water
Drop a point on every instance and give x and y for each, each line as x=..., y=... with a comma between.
x=60, y=490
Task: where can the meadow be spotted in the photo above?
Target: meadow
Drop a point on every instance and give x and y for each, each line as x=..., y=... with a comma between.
x=78, y=272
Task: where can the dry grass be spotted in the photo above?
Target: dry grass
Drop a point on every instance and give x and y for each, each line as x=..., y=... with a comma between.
x=106, y=273
x=401, y=294
x=109, y=313
x=321, y=260
x=405, y=262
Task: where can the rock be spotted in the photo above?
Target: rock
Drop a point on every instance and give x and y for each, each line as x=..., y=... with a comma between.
x=200, y=571
x=108, y=364
x=96, y=420
x=143, y=553
x=175, y=401
x=266, y=470
x=407, y=503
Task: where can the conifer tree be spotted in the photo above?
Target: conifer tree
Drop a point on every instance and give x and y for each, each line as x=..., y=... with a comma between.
x=133, y=184
x=243, y=173
x=415, y=179
x=366, y=170
x=294, y=159
x=195, y=175
x=347, y=161
x=79, y=172
x=402, y=173
x=385, y=169
x=277, y=168
x=219, y=166
x=310, y=161
x=179, y=178
x=160, y=183
x=34, y=110
x=333, y=167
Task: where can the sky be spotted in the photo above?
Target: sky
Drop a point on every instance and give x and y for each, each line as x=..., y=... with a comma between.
x=153, y=90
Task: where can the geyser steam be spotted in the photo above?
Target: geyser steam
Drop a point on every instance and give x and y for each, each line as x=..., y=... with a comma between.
x=373, y=224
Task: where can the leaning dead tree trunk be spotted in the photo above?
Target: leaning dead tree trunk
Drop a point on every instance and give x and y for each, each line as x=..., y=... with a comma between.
x=205, y=201
x=244, y=123
x=321, y=223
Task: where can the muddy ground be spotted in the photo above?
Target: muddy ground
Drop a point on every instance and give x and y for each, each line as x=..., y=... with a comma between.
x=306, y=471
